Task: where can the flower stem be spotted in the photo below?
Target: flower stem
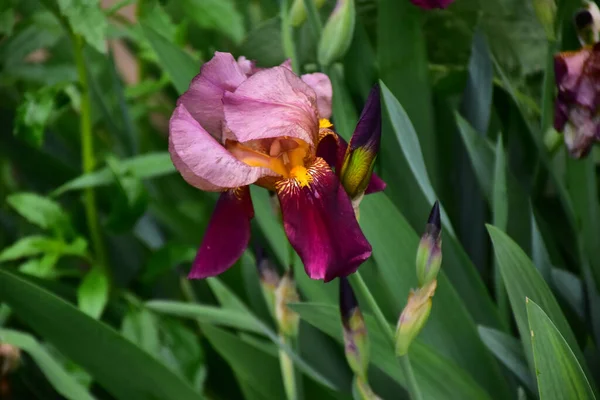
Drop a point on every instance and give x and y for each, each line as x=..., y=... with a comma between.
x=287, y=34
x=361, y=287
x=87, y=156
x=411, y=380
x=313, y=18
x=287, y=370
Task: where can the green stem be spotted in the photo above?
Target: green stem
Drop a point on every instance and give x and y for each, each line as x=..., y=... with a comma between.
x=287, y=35
x=411, y=380
x=361, y=287
x=287, y=371
x=87, y=156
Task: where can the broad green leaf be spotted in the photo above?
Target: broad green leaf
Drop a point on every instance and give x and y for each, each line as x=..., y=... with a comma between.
x=144, y=166
x=251, y=366
x=450, y=329
x=40, y=210
x=208, y=314
x=34, y=245
x=539, y=251
x=92, y=294
x=559, y=374
x=219, y=15
x=179, y=65
x=437, y=377
x=523, y=280
x=86, y=19
x=99, y=349
x=141, y=327
x=500, y=200
x=60, y=379
x=510, y=352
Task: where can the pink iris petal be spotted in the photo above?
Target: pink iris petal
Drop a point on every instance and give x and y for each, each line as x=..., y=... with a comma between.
x=332, y=148
x=431, y=4
x=227, y=235
x=272, y=103
x=322, y=87
x=202, y=161
x=203, y=98
x=319, y=222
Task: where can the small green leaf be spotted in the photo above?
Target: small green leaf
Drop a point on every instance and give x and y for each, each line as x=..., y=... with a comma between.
x=40, y=210
x=99, y=349
x=509, y=351
x=34, y=245
x=559, y=374
x=92, y=294
x=60, y=379
x=33, y=115
x=86, y=19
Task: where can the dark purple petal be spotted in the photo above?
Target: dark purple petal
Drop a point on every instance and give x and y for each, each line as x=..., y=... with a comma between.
x=431, y=4
x=227, y=235
x=320, y=224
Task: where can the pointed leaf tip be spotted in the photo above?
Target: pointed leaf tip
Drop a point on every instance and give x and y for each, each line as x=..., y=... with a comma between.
x=434, y=216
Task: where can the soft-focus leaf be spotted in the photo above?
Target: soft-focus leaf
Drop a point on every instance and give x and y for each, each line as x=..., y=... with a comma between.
x=558, y=372
x=166, y=258
x=144, y=166
x=523, y=280
x=86, y=19
x=179, y=65
x=510, y=352
x=34, y=114
x=570, y=288
x=218, y=15
x=437, y=378
x=41, y=211
x=92, y=294
x=141, y=328
x=208, y=314
x=104, y=353
x=60, y=379
x=34, y=245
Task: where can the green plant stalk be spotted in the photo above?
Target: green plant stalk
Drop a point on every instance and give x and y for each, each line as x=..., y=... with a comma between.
x=287, y=370
x=411, y=382
x=287, y=34
x=313, y=18
x=87, y=156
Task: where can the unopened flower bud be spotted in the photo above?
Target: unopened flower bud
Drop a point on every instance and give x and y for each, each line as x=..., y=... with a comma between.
x=587, y=24
x=362, y=150
x=298, y=11
x=414, y=316
x=429, y=253
x=545, y=10
x=337, y=33
x=356, y=343
x=269, y=278
x=287, y=319
x=10, y=358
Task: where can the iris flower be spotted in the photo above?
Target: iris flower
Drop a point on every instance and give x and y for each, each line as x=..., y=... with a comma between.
x=239, y=125
x=576, y=108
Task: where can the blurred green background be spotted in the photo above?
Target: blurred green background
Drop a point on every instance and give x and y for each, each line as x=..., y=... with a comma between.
x=98, y=230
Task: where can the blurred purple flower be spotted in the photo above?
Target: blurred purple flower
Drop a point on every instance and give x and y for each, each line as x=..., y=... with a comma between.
x=578, y=98
x=431, y=4
x=237, y=125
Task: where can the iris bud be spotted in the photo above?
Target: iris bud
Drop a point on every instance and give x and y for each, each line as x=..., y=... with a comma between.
x=269, y=278
x=356, y=343
x=362, y=150
x=414, y=316
x=587, y=24
x=337, y=33
x=429, y=253
x=286, y=318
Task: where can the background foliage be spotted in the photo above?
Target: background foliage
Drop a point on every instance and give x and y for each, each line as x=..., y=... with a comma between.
x=104, y=310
